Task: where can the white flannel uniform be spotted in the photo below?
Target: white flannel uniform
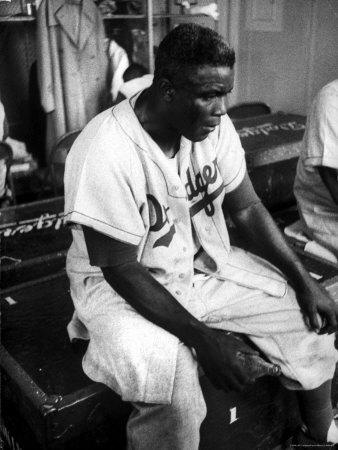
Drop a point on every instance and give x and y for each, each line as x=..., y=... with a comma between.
x=120, y=183
x=318, y=210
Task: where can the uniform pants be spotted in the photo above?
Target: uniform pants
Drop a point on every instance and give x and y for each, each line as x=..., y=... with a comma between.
x=175, y=426
x=119, y=338
x=306, y=357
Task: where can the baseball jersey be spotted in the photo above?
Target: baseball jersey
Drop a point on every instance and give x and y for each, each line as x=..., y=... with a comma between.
x=119, y=182
x=320, y=148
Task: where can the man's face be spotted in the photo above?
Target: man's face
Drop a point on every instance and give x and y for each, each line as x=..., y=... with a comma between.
x=199, y=100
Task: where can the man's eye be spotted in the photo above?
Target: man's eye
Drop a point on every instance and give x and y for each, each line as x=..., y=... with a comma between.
x=209, y=97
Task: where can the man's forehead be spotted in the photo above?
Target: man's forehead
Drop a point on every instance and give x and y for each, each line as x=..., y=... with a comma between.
x=206, y=75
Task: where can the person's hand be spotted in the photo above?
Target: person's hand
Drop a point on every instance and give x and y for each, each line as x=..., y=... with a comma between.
x=216, y=353
x=319, y=309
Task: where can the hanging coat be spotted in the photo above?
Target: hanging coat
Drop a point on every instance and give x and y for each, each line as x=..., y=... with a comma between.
x=72, y=65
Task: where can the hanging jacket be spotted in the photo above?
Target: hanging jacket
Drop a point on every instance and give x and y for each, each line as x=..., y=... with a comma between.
x=72, y=65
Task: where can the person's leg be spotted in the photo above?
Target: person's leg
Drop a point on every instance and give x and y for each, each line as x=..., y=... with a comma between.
x=175, y=426
x=317, y=414
x=276, y=326
x=146, y=366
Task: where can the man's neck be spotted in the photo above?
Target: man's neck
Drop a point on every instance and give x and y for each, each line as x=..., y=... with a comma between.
x=153, y=119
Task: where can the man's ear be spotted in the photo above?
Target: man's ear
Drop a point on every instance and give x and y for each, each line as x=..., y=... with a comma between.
x=166, y=89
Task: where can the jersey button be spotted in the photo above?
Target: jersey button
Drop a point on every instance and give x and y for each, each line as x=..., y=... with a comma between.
x=181, y=275
x=178, y=292
x=184, y=249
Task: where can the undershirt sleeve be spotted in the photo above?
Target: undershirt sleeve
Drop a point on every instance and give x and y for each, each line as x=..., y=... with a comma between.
x=105, y=251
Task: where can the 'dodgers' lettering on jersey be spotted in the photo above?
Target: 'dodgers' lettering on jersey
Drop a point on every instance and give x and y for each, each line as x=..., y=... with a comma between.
x=161, y=219
x=203, y=180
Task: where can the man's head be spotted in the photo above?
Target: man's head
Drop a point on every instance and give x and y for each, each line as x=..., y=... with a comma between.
x=190, y=45
x=193, y=74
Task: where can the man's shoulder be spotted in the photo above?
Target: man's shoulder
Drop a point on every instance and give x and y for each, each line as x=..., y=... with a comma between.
x=101, y=122
x=102, y=138
x=108, y=127
x=226, y=126
x=331, y=87
x=224, y=134
x=328, y=95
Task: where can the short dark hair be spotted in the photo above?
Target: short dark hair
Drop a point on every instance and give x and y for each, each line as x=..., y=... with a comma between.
x=190, y=45
x=135, y=70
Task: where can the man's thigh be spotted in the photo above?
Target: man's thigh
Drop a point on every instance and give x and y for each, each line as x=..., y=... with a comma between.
x=248, y=310
x=127, y=352
x=275, y=324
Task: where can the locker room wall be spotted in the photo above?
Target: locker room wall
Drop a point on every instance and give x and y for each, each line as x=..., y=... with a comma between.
x=286, y=68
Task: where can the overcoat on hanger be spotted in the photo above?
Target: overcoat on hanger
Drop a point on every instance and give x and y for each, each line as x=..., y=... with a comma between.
x=72, y=65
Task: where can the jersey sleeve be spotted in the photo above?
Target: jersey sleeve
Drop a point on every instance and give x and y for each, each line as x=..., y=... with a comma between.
x=104, y=251
x=105, y=189
x=320, y=144
x=230, y=155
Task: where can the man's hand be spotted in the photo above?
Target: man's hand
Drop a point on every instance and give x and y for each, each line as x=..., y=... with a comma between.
x=216, y=353
x=319, y=309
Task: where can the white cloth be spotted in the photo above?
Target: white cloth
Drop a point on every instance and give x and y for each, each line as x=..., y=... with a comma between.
x=317, y=208
x=119, y=62
x=132, y=87
x=3, y=165
x=2, y=121
x=296, y=231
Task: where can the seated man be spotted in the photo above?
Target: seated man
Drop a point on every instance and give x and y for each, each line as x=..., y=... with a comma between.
x=153, y=277
x=316, y=183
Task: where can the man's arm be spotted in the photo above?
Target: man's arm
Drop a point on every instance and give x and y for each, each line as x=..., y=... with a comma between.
x=329, y=177
x=265, y=239
x=215, y=350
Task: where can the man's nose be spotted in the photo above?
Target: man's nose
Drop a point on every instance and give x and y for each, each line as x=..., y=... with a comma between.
x=220, y=106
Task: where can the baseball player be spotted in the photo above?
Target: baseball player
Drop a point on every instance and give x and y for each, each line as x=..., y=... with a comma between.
x=316, y=182
x=154, y=280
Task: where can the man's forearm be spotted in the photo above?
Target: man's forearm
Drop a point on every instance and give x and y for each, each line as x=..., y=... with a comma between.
x=265, y=239
x=134, y=283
